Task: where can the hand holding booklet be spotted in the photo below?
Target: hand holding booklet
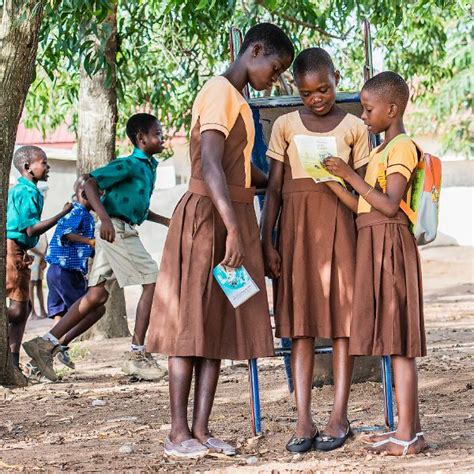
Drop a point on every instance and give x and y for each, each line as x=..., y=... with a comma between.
x=312, y=151
x=236, y=283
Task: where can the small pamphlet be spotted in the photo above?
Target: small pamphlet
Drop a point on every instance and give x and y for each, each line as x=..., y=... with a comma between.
x=312, y=151
x=236, y=283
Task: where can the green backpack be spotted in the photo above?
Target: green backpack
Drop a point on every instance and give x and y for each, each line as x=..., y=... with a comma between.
x=423, y=210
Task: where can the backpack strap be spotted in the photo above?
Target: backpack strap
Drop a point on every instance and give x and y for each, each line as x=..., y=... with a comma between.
x=382, y=176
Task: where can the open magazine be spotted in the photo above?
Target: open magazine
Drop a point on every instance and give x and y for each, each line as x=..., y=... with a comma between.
x=312, y=150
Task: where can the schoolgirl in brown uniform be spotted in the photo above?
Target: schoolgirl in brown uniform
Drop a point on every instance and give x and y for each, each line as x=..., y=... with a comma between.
x=388, y=300
x=192, y=321
x=314, y=260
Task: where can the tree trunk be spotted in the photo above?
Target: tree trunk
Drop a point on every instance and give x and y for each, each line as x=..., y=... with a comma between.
x=19, y=27
x=96, y=147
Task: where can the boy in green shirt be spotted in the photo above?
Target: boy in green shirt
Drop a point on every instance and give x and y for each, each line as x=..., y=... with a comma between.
x=127, y=185
x=24, y=226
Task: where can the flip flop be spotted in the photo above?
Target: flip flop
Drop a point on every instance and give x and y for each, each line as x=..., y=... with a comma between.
x=405, y=444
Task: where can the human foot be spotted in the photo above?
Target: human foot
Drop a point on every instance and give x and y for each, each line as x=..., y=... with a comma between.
x=42, y=352
x=189, y=449
x=219, y=446
x=374, y=438
x=392, y=446
x=325, y=442
x=336, y=428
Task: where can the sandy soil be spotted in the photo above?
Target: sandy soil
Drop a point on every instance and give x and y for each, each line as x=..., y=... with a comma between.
x=52, y=427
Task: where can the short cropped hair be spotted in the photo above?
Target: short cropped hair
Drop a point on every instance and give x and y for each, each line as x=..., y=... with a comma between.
x=274, y=39
x=312, y=60
x=391, y=86
x=139, y=123
x=25, y=155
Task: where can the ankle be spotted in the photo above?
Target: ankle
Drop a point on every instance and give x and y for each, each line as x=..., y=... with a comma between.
x=53, y=339
x=16, y=359
x=180, y=434
x=405, y=434
x=200, y=433
x=305, y=428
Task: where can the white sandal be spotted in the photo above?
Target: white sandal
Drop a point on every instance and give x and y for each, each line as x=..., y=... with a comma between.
x=420, y=434
x=405, y=444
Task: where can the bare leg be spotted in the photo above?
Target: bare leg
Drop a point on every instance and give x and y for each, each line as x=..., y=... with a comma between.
x=342, y=365
x=406, y=391
x=34, y=314
x=83, y=326
x=302, y=364
x=39, y=292
x=142, y=318
x=206, y=377
x=18, y=313
x=180, y=370
x=95, y=297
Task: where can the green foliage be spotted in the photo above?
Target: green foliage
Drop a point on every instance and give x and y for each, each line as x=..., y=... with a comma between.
x=168, y=48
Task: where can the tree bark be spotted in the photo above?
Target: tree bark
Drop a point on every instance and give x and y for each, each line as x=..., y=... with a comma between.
x=19, y=28
x=96, y=147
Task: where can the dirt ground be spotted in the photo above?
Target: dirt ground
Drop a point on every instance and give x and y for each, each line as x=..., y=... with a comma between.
x=53, y=427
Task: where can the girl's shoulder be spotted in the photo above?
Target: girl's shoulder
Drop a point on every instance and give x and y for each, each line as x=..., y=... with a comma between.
x=218, y=90
x=286, y=121
x=218, y=86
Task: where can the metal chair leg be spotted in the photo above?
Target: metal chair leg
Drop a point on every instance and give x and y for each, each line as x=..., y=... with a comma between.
x=255, y=397
x=386, y=370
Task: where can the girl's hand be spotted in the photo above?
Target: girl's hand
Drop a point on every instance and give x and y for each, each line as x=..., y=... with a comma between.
x=337, y=167
x=234, y=250
x=272, y=261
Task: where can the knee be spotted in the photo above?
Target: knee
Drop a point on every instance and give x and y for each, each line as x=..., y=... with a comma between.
x=18, y=312
x=97, y=296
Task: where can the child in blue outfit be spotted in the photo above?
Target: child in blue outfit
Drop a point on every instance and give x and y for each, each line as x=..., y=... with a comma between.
x=69, y=251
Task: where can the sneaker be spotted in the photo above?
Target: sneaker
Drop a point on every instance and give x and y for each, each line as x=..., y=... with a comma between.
x=64, y=357
x=191, y=448
x=33, y=374
x=142, y=366
x=42, y=353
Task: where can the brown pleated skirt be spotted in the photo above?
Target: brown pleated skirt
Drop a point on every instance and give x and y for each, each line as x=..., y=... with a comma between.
x=191, y=316
x=388, y=296
x=317, y=247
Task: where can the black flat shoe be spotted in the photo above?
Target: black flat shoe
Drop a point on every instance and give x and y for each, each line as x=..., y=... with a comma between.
x=301, y=445
x=328, y=443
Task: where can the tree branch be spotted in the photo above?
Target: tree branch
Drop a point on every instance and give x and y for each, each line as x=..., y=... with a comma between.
x=305, y=24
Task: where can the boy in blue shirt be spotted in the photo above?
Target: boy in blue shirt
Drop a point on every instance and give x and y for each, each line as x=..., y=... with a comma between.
x=24, y=226
x=127, y=185
x=69, y=251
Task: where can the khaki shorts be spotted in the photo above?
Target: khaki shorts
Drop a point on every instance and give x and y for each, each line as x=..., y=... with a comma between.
x=18, y=272
x=124, y=260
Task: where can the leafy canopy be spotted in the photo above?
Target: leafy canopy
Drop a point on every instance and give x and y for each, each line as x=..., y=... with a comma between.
x=168, y=48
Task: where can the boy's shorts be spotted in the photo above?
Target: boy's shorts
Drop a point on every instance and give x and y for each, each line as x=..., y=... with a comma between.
x=65, y=288
x=124, y=260
x=18, y=272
